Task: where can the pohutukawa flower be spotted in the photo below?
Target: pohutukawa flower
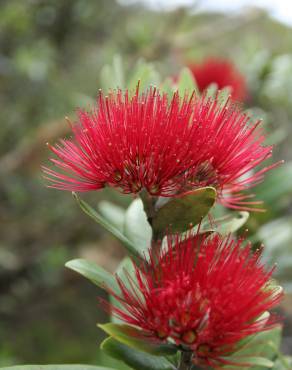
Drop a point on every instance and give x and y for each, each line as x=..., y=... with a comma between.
x=203, y=296
x=223, y=73
x=165, y=147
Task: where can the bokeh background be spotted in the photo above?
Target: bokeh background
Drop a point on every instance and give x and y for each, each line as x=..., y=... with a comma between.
x=54, y=56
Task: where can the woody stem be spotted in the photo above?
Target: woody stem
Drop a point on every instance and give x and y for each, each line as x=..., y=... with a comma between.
x=185, y=361
x=149, y=208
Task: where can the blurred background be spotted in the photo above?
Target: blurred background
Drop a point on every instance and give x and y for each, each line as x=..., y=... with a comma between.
x=54, y=56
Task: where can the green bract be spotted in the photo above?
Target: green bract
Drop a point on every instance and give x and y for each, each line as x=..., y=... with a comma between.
x=183, y=212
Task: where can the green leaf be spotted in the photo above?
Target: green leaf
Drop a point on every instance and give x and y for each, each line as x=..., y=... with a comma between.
x=254, y=362
x=146, y=74
x=211, y=91
x=276, y=136
x=106, y=77
x=264, y=345
x=283, y=363
x=277, y=239
x=125, y=265
x=56, y=367
x=232, y=223
x=96, y=274
x=221, y=96
x=114, y=214
x=227, y=224
x=168, y=86
x=136, y=226
x=136, y=359
x=186, y=82
x=119, y=73
x=137, y=339
x=113, y=75
x=179, y=213
x=277, y=184
x=112, y=229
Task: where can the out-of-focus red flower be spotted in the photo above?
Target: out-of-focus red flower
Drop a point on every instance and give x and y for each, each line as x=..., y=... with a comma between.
x=204, y=296
x=221, y=72
x=167, y=148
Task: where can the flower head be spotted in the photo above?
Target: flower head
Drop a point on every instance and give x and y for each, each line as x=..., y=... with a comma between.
x=221, y=72
x=204, y=296
x=166, y=147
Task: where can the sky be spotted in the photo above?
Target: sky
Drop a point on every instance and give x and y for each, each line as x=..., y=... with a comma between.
x=279, y=9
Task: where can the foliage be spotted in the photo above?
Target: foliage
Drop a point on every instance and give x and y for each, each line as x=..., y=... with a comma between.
x=54, y=57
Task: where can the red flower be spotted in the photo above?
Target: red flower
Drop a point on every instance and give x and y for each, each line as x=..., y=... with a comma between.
x=203, y=296
x=223, y=73
x=167, y=148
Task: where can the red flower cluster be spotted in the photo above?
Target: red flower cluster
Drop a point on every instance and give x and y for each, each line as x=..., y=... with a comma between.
x=203, y=296
x=221, y=72
x=167, y=148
